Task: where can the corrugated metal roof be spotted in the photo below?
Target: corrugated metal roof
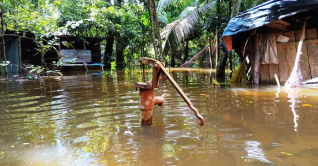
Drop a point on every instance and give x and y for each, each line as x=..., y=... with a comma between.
x=266, y=13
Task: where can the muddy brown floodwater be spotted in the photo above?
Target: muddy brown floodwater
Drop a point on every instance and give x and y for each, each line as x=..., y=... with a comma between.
x=95, y=120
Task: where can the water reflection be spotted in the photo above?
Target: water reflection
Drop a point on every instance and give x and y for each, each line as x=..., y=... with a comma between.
x=95, y=120
x=254, y=151
x=293, y=94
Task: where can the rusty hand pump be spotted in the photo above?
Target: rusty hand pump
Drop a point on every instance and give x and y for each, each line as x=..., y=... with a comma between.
x=147, y=99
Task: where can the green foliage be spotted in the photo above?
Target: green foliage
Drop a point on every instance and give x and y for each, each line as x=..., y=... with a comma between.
x=28, y=17
x=35, y=70
x=4, y=63
x=127, y=21
x=186, y=27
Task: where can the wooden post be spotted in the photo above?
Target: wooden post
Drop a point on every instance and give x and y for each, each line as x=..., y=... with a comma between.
x=257, y=60
x=84, y=45
x=2, y=35
x=20, y=54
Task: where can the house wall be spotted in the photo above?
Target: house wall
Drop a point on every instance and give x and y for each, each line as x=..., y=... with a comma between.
x=12, y=55
x=286, y=58
x=94, y=46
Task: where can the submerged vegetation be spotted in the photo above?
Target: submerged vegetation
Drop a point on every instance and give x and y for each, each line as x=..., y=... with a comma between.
x=169, y=30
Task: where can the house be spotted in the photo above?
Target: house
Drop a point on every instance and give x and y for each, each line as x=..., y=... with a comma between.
x=79, y=51
x=21, y=50
x=268, y=35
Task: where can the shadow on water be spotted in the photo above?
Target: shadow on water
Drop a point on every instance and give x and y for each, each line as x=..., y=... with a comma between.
x=85, y=119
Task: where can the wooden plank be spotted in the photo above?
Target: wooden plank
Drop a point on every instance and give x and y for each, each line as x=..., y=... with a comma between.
x=312, y=51
x=295, y=43
x=311, y=34
x=264, y=74
x=297, y=35
x=76, y=56
x=290, y=51
x=273, y=69
x=313, y=59
x=290, y=35
x=282, y=22
x=279, y=25
x=268, y=51
x=282, y=64
x=304, y=62
x=277, y=35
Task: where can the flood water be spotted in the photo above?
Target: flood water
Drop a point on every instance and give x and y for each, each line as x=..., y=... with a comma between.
x=84, y=119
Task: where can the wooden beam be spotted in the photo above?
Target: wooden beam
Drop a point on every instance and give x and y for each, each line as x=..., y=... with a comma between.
x=311, y=41
x=257, y=61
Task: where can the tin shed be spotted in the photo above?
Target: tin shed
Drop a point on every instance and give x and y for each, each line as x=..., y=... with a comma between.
x=268, y=35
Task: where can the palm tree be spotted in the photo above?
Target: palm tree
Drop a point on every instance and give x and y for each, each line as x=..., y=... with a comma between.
x=183, y=28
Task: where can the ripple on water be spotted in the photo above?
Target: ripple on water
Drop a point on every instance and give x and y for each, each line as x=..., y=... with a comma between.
x=84, y=121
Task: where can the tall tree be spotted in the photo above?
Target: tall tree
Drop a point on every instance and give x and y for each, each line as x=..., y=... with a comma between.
x=155, y=29
x=184, y=27
x=235, y=8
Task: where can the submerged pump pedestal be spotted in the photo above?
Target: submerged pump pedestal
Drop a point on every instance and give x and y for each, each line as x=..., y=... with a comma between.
x=147, y=99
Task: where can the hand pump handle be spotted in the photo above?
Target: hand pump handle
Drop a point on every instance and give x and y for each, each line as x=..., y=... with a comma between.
x=158, y=68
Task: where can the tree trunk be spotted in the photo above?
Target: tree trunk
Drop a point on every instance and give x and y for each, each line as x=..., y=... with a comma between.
x=173, y=57
x=186, y=52
x=43, y=63
x=221, y=61
x=217, y=50
x=109, y=49
x=157, y=30
x=153, y=32
x=236, y=8
x=120, y=60
x=220, y=69
x=210, y=52
x=230, y=65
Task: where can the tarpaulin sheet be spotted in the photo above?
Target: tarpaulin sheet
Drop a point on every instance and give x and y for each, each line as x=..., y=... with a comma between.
x=266, y=13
